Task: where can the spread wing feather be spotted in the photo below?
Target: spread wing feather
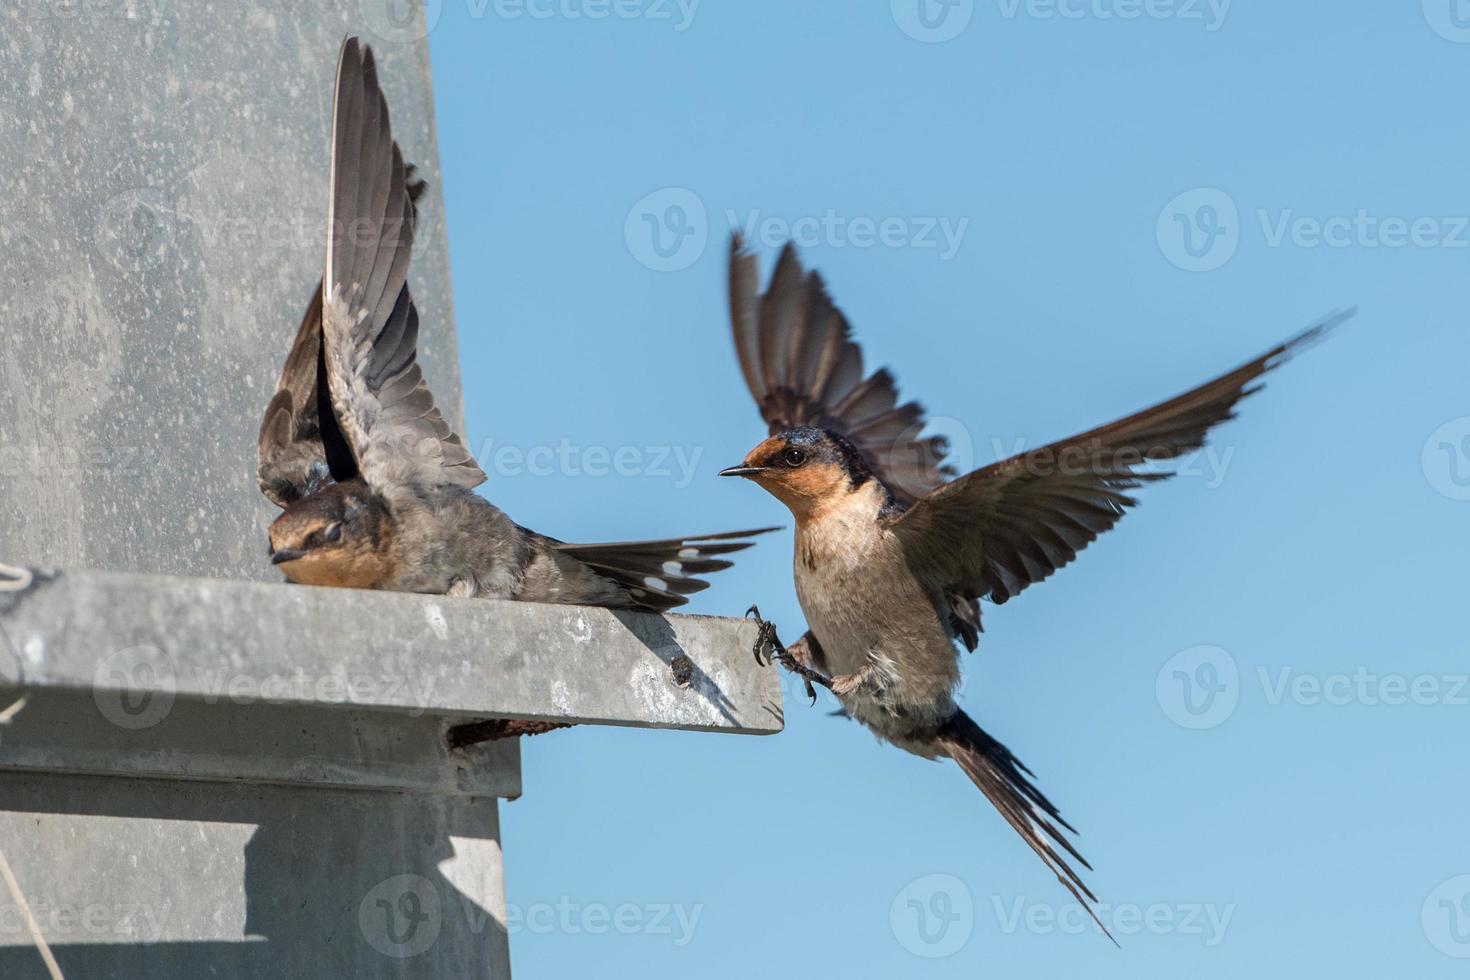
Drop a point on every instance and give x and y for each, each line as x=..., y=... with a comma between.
x=659, y=575
x=997, y=530
x=301, y=448
x=379, y=396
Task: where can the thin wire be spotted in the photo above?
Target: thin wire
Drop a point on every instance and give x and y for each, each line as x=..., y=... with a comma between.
x=31, y=924
x=14, y=579
x=18, y=580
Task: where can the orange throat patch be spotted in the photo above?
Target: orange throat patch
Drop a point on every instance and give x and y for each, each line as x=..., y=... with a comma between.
x=339, y=568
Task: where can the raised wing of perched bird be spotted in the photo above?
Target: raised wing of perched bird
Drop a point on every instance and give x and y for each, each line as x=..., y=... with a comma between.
x=892, y=560
x=375, y=485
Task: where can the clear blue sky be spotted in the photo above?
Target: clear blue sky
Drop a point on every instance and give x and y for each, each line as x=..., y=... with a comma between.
x=1290, y=800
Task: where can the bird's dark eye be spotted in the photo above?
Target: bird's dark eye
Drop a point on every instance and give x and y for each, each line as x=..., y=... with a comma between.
x=793, y=457
x=333, y=532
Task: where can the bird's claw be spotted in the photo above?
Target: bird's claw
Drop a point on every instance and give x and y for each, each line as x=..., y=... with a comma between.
x=768, y=646
x=769, y=649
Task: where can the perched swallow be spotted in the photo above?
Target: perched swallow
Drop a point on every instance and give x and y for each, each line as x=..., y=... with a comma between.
x=893, y=555
x=376, y=488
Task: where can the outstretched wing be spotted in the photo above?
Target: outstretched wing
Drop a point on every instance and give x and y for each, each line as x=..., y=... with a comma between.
x=369, y=322
x=297, y=454
x=803, y=368
x=660, y=575
x=997, y=530
x=291, y=453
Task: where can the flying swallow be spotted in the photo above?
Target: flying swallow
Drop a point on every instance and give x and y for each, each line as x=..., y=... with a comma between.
x=376, y=488
x=893, y=553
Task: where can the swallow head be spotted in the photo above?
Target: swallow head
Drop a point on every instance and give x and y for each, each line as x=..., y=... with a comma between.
x=336, y=536
x=805, y=468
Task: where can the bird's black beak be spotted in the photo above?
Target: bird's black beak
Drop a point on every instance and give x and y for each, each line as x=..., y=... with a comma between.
x=743, y=471
x=285, y=555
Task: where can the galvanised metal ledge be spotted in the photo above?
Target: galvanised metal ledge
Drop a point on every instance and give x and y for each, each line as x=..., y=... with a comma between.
x=169, y=677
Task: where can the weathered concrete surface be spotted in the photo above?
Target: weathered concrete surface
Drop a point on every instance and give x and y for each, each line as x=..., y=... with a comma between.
x=227, y=778
x=162, y=226
x=134, y=878
x=138, y=643
x=163, y=223
x=241, y=738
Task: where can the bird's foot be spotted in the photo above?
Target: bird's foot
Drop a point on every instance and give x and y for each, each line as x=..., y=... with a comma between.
x=463, y=587
x=769, y=648
x=767, y=643
x=868, y=678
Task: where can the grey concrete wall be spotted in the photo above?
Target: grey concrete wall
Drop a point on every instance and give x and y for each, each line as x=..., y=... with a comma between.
x=169, y=808
x=162, y=224
x=134, y=879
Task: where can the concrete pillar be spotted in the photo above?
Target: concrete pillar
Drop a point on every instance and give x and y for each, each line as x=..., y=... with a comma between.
x=200, y=774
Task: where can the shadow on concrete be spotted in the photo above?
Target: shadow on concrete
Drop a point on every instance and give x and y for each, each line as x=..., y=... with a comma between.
x=334, y=882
